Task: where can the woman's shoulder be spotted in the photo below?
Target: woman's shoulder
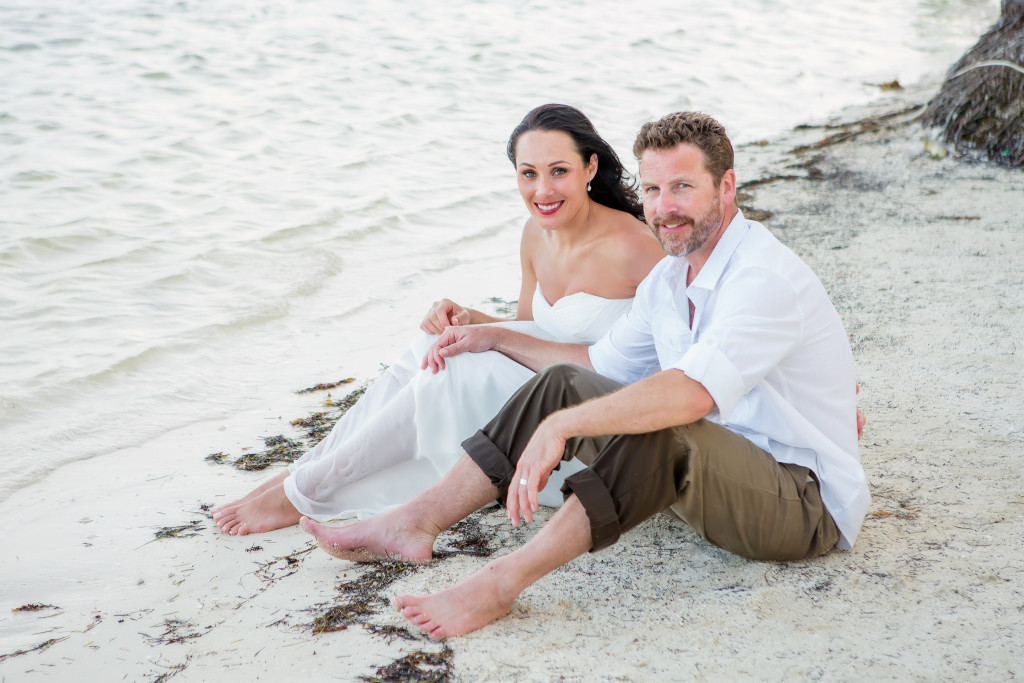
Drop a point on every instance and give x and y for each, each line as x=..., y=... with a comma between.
x=631, y=242
x=532, y=232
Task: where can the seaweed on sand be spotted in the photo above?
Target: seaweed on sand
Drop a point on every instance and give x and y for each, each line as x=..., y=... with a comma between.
x=34, y=607
x=282, y=449
x=45, y=645
x=271, y=569
x=317, y=425
x=170, y=673
x=192, y=528
x=843, y=132
x=325, y=386
x=466, y=538
x=362, y=597
x=340, y=617
x=389, y=632
x=176, y=631
x=416, y=666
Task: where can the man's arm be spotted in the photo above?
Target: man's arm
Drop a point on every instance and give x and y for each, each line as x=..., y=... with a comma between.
x=666, y=399
x=534, y=353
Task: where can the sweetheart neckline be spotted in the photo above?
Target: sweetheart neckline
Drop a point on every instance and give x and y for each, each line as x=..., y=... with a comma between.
x=567, y=296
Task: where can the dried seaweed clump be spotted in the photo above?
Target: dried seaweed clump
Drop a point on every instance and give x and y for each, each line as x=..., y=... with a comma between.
x=182, y=531
x=277, y=448
x=980, y=107
x=34, y=607
x=416, y=667
x=340, y=617
x=466, y=538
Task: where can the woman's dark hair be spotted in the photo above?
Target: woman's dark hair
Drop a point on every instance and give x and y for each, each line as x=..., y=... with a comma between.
x=612, y=186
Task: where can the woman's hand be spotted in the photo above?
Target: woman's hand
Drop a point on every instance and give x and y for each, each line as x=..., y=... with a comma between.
x=541, y=455
x=442, y=314
x=456, y=340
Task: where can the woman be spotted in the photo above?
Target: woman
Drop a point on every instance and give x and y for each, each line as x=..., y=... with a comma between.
x=584, y=250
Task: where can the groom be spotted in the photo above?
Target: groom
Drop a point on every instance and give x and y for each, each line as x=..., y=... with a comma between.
x=724, y=396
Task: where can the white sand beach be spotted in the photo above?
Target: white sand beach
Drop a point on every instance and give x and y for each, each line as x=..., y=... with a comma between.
x=922, y=257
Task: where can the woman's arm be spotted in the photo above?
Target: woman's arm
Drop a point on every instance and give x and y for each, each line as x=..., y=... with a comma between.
x=527, y=246
x=447, y=313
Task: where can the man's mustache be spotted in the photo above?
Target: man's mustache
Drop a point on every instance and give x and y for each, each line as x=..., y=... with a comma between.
x=672, y=219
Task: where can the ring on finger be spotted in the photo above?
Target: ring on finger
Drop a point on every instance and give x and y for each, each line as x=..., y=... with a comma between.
x=523, y=482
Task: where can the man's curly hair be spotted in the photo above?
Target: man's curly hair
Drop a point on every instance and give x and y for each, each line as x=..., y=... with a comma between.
x=695, y=128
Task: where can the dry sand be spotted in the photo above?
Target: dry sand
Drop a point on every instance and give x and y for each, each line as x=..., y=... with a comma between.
x=923, y=258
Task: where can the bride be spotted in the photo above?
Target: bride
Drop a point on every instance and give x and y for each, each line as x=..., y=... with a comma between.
x=583, y=252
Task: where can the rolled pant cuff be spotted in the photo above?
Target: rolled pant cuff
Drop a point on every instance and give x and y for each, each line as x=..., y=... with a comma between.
x=492, y=461
x=599, y=506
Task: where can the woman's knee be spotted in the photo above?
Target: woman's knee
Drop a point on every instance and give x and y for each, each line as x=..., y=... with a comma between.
x=584, y=383
x=559, y=373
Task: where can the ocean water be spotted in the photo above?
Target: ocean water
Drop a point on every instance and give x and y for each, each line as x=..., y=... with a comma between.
x=204, y=206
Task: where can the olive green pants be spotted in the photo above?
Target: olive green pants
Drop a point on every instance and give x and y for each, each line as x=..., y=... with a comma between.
x=733, y=493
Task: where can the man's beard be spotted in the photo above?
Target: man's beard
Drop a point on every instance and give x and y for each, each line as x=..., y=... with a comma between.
x=701, y=229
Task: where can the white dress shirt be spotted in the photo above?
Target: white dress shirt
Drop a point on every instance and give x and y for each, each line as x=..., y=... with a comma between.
x=769, y=347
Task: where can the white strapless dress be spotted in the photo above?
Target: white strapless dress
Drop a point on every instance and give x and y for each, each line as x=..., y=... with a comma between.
x=406, y=432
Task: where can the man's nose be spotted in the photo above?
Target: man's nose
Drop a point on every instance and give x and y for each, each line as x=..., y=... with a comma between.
x=665, y=204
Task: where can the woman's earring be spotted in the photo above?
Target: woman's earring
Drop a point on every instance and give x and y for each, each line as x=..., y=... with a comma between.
x=588, y=186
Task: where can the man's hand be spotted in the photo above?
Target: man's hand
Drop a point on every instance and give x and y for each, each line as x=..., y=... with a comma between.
x=541, y=455
x=456, y=340
x=442, y=314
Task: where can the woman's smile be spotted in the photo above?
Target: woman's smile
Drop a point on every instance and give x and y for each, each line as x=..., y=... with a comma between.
x=548, y=209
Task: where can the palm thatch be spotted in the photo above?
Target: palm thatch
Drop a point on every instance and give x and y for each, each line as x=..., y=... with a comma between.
x=980, y=107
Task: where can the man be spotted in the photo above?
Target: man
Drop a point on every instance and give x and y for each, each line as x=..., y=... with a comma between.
x=725, y=395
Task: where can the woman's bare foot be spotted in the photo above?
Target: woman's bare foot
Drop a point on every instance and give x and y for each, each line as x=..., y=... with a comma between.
x=471, y=604
x=386, y=537
x=269, y=511
x=220, y=510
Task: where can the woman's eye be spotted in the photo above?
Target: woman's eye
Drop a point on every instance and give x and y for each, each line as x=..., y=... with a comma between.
x=529, y=174
x=559, y=171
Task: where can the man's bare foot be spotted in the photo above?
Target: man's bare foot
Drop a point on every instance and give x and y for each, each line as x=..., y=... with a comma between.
x=267, y=512
x=386, y=537
x=220, y=510
x=471, y=604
